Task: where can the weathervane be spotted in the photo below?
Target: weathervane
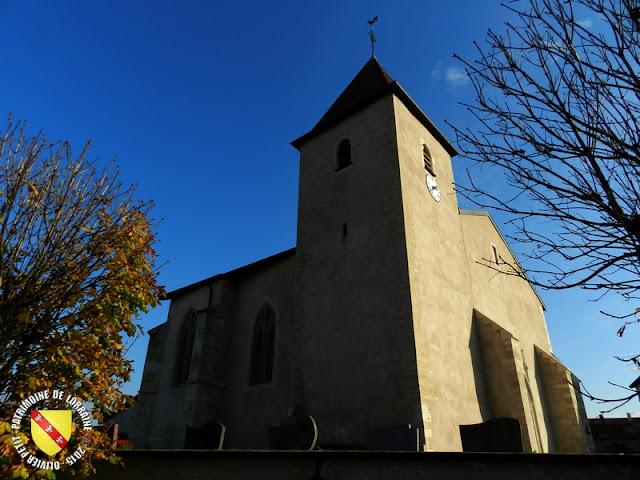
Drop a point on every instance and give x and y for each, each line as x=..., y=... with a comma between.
x=373, y=39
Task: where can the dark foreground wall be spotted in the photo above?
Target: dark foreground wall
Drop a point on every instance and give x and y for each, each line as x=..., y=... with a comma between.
x=326, y=465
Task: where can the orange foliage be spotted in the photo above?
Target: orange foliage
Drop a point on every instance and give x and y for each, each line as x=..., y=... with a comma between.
x=76, y=270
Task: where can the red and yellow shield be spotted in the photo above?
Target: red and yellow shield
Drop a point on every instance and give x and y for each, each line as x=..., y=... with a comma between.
x=51, y=429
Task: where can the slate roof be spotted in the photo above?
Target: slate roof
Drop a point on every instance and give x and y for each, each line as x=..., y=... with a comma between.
x=369, y=85
x=246, y=269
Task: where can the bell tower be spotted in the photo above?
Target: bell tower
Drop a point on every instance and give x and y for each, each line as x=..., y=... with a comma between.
x=375, y=202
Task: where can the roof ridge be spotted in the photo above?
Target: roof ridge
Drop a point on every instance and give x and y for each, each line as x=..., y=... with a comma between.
x=371, y=82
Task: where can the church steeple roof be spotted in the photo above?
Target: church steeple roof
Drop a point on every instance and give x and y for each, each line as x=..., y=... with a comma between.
x=370, y=84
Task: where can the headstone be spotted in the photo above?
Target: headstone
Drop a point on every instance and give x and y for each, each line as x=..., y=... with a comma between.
x=394, y=438
x=209, y=436
x=295, y=434
x=495, y=435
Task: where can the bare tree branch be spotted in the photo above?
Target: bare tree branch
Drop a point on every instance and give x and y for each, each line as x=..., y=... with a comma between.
x=557, y=111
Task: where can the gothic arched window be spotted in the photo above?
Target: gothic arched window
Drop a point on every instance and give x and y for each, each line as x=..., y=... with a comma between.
x=185, y=348
x=264, y=336
x=343, y=154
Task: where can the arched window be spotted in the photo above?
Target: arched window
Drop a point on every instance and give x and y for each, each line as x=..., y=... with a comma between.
x=343, y=154
x=264, y=336
x=185, y=348
x=428, y=160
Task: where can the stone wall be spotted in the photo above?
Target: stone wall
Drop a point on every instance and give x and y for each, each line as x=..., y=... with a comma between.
x=439, y=286
x=354, y=345
x=510, y=308
x=565, y=404
x=218, y=388
x=248, y=465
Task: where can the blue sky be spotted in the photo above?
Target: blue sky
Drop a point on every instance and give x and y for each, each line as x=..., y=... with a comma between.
x=200, y=99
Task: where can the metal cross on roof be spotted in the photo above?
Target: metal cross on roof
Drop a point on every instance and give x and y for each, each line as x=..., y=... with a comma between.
x=373, y=39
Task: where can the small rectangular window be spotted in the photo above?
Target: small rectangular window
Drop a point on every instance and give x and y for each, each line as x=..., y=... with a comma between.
x=494, y=251
x=343, y=154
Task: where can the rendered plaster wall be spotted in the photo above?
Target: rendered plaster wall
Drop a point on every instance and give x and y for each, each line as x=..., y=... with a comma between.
x=143, y=424
x=439, y=287
x=247, y=410
x=354, y=335
x=569, y=422
x=218, y=384
x=512, y=305
x=166, y=408
x=510, y=301
x=506, y=382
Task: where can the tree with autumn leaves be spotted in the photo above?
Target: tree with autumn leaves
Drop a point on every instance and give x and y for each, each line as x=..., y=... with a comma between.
x=76, y=270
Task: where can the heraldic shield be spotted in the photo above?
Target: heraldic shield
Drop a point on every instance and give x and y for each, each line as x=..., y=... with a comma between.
x=51, y=429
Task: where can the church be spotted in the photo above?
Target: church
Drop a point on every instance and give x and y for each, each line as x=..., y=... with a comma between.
x=384, y=314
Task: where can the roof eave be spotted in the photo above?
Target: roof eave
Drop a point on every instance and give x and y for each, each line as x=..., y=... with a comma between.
x=403, y=96
x=238, y=271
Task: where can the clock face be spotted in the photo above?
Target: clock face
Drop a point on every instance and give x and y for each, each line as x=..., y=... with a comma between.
x=434, y=190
